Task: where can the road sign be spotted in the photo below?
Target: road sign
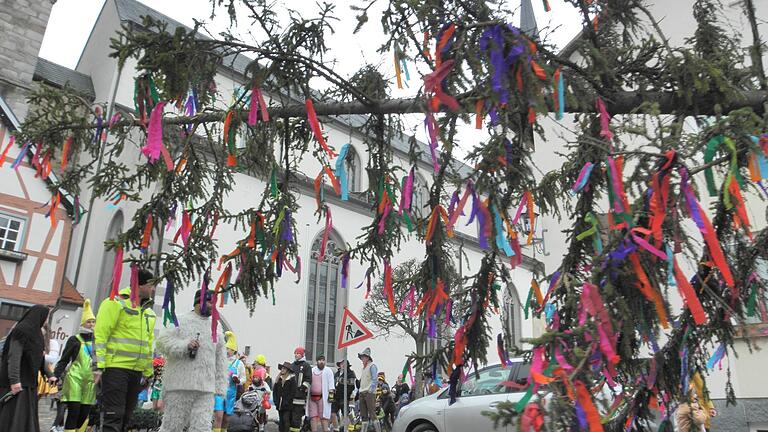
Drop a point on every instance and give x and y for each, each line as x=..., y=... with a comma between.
x=352, y=330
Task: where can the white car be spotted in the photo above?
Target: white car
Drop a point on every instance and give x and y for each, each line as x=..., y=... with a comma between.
x=480, y=392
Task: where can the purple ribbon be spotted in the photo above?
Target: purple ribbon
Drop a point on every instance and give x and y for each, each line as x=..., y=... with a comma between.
x=287, y=234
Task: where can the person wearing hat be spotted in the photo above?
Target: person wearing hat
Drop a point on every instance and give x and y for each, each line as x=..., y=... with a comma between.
x=386, y=402
x=283, y=394
x=195, y=369
x=368, y=384
x=224, y=406
x=321, y=396
x=338, y=401
x=261, y=363
x=78, y=392
x=123, y=336
x=303, y=371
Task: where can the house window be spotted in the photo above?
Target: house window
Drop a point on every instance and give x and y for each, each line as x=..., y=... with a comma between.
x=323, y=306
x=512, y=317
x=10, y=232
x=352, y=167
x=420, y=194
x=13, y=312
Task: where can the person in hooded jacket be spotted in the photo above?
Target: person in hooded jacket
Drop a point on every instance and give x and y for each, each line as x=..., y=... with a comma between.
x=283, y=393
x=78, y=392
x=22, y=358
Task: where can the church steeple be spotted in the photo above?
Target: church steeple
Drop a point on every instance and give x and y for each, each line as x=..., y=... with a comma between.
x=528, y=19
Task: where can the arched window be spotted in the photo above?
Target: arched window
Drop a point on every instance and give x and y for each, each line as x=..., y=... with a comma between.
x=108, y=258
x=420, y=194
x=323, y=304
x=512, y=316
x=352, y=167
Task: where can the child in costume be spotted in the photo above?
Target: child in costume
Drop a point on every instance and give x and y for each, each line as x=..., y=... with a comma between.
x=156, y=395
x=195, y=369
x=285, y=390
x=224, y=406
x=256, y=399
x=78, y=392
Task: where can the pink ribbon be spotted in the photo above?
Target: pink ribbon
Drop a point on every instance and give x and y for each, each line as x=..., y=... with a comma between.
x=154, y=146
x=605, y=120
x=257, y=101
x=326, y=233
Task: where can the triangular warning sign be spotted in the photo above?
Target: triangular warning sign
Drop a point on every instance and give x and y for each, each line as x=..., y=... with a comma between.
x=352, y=330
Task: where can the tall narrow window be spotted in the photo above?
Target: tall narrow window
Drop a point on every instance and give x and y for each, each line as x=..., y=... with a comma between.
x=512, y=317
x=323, y=306
x=352, y=166
x=420, y=194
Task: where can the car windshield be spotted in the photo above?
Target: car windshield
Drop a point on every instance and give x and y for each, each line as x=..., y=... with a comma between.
x=487, y=381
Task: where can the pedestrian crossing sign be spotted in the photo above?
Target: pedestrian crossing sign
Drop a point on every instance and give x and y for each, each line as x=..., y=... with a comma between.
x=352, y=330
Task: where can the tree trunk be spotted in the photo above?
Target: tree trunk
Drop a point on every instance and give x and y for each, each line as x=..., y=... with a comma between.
x=418, y=386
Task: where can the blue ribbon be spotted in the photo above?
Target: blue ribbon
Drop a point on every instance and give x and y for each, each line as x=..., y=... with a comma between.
x=501, y=240
x=341, y=173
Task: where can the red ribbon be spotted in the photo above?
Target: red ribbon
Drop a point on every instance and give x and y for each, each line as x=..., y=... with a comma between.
x=146, y=238
x=65, y=152
x=134, y=285
x=314, y=124
x=117, y=273
x=585, y=400
x=689, y=296
x=388, y=292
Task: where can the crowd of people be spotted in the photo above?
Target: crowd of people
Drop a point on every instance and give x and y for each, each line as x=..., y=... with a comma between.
x=193, y=374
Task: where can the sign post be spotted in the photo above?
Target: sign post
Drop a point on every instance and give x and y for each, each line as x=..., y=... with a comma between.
x=352, y=331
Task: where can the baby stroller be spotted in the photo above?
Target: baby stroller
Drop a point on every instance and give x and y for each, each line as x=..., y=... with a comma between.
x=252, y=408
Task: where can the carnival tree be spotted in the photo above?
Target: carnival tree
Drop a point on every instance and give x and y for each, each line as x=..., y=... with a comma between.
x=607, y=301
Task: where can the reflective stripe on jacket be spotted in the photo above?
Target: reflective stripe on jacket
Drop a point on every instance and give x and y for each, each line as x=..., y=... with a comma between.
x=124, y=336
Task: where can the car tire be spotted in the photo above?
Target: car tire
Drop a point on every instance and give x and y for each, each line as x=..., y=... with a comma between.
x=424, y=427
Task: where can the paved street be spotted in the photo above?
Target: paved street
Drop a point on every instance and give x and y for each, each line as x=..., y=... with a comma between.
x=46, y=414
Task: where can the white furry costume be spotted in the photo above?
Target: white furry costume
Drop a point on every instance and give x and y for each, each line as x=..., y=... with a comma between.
x=189, y=385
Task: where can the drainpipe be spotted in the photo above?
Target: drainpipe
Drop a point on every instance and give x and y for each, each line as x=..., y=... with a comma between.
x=110, y=109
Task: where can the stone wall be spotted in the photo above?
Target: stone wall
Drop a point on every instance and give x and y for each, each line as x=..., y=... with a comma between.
x=22, y=24
x=739, y=417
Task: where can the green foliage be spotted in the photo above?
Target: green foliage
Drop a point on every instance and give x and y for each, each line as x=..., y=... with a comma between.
x=625, y=50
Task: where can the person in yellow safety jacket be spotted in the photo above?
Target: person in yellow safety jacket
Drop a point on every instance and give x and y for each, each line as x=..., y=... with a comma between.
x=124, y=337
x=75, y=370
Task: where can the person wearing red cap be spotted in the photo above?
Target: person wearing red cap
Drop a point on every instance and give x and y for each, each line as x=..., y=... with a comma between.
x=304, y=380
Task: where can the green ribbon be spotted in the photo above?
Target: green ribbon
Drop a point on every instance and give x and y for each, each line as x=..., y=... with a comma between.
x=593, y=231
x=273, y=183
x=408, y=221
x=528, y=302
x=709, y=156
x=752, y=302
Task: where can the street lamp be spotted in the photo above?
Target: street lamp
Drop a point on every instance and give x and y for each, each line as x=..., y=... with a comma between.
x=538, y=243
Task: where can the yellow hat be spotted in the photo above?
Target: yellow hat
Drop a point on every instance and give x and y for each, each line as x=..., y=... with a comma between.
x=261, y=360
x=231, y=341
x=87, y=312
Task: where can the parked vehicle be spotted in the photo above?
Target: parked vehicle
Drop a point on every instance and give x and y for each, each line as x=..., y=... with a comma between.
x=480, y=392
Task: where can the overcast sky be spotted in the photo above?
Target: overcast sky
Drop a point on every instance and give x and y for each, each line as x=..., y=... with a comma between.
x=71, y=22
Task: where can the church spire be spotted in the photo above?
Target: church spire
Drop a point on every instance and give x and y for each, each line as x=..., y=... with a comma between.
x=528, y=19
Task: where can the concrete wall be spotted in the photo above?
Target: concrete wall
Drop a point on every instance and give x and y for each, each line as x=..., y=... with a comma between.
x=22, y=24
